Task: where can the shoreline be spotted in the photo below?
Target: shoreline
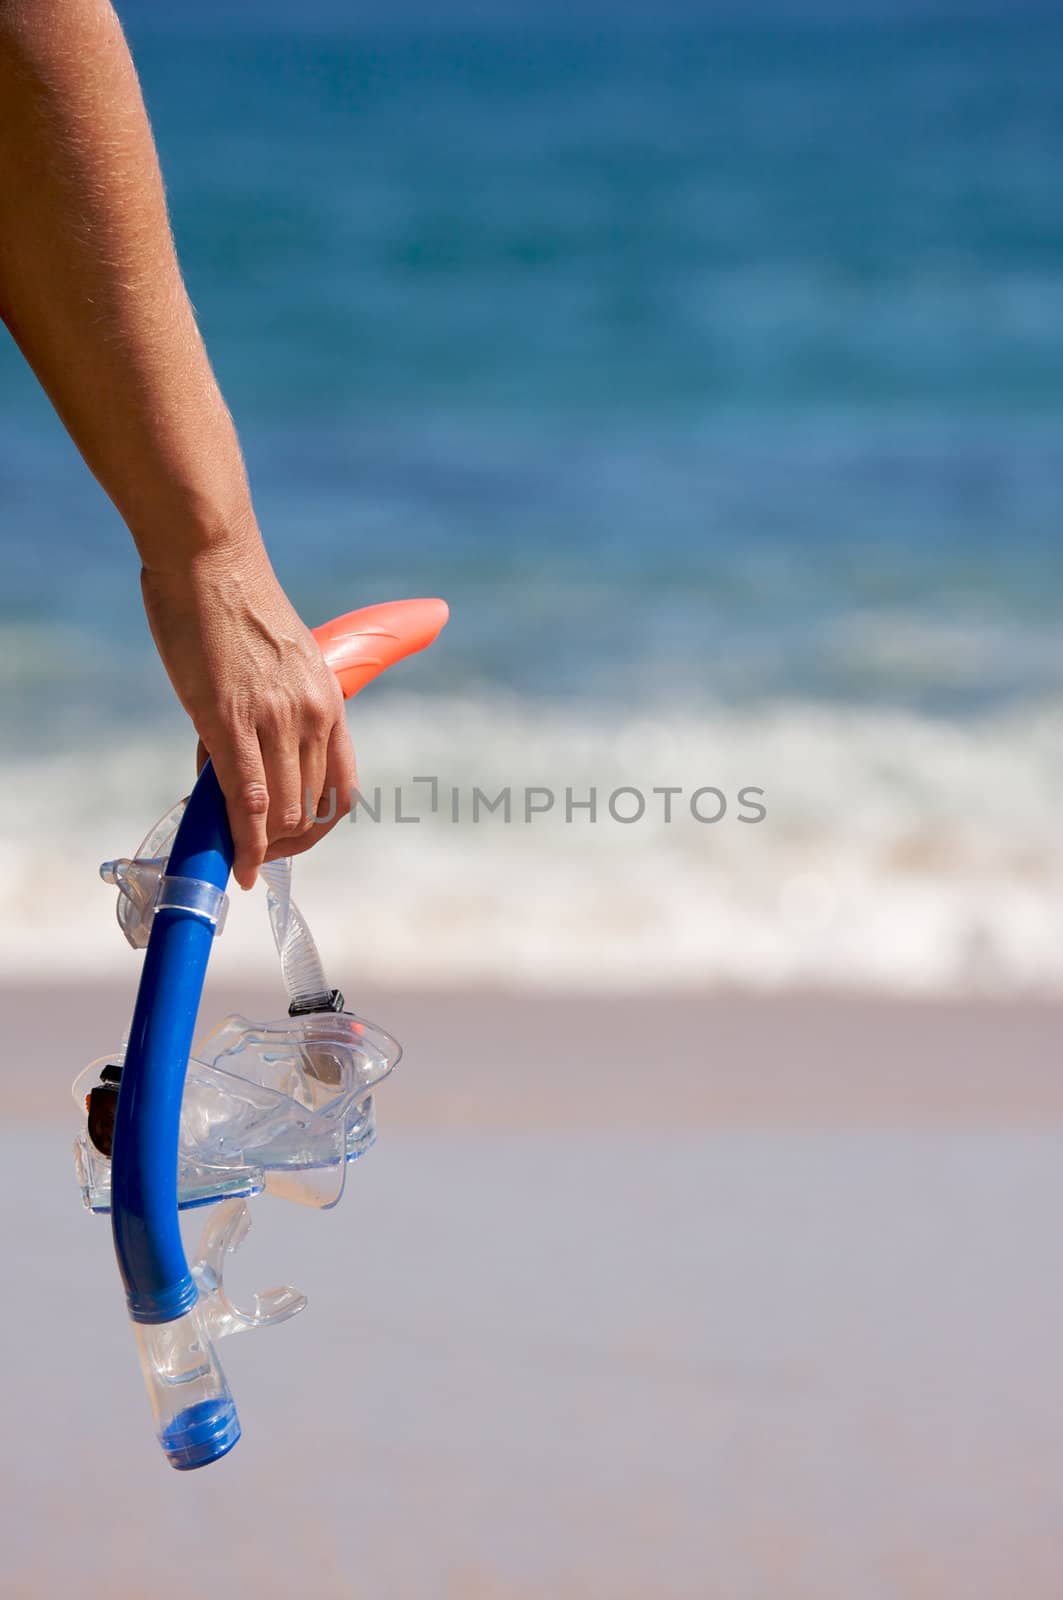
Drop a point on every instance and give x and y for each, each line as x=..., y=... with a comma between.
x=488, y=1061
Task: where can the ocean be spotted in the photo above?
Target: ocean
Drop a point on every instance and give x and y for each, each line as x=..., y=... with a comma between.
x=712, y=370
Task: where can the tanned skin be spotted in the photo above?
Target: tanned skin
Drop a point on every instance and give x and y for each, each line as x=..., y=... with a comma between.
x=91, y=290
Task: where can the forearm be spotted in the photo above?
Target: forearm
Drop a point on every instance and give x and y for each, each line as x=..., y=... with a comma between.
x=90, y=286
x=91, y=290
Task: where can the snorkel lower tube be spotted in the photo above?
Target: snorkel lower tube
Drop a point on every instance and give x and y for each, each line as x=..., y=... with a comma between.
x=195, y=1417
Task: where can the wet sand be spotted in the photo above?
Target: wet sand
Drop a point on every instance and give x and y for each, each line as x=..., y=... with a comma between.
x=660, y=1298
x=495, y=1062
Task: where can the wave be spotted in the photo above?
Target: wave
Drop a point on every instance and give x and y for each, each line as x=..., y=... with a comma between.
x=897, y=852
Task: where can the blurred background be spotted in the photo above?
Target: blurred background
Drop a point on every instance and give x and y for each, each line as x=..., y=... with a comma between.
x=709, y=362
x=712, y=370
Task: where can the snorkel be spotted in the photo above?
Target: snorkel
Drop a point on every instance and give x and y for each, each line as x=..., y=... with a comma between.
x=281, y=1106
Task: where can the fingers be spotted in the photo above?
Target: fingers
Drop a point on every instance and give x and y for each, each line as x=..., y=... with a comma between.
x=313, y=762
x=336, y=790
x=341, y=774
x=238, y=764
x=280, y=758
x=287, y=773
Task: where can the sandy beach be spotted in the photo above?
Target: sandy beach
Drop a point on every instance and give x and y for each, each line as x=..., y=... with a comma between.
x=669, y=1297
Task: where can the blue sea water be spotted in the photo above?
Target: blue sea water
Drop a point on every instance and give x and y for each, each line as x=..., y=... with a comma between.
x=711, y=367
x=684, y=359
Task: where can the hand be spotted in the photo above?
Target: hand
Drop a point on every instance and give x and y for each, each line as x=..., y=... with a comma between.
x=268, y=711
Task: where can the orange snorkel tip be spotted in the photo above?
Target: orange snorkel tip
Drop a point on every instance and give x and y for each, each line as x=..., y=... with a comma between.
x=363, y=644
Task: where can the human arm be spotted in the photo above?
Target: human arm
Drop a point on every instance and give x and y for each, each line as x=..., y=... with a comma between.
x=91, y=290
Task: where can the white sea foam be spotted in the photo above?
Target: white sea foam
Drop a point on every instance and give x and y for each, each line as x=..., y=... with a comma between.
x=898, y=852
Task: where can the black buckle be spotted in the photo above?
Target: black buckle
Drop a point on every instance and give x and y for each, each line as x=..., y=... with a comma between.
x=101, y=1103
x=309, y=1008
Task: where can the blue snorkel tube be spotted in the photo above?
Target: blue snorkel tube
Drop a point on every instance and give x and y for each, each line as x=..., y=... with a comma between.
x=195, y=1417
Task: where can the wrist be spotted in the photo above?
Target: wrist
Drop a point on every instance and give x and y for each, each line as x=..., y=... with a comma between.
x=202, y=536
